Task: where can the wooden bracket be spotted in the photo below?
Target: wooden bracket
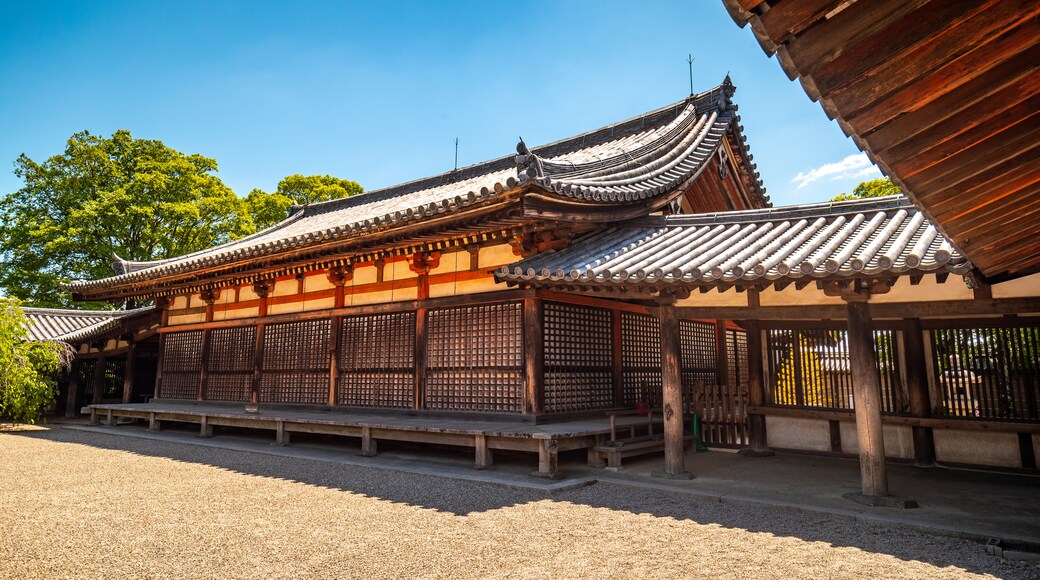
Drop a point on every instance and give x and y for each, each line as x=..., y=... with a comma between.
x=340, y=275
x=263, y=287
x=209, y=295
x=422, y=262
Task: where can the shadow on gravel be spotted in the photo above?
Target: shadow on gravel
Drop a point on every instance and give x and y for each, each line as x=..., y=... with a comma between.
x=443, y=495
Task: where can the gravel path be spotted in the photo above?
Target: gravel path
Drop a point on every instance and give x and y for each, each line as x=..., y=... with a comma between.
x=76, y=504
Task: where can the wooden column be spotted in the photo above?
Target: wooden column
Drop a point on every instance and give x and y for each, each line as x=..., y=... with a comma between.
x=866, y=393
x=209, y=296
x=261, y=288
x=99, y=378
x=534, y=356
x=163, y=303
x=672, y=404
x=70, y=402
x=756, y=387
x=917, y=390
x=128, y=371
x=338, y=276
x=722, y=356
x=420, y=358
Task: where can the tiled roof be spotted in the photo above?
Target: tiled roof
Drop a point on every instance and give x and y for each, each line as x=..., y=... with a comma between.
x=626, y=162
x=641, y=166
x=74, y=326
x=831, y=240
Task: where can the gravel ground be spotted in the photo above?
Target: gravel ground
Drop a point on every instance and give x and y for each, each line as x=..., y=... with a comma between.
x=76, y=504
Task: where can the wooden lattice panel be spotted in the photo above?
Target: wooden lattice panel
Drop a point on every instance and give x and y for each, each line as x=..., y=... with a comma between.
x=475, y=358
x=578, y=358
x=179, y=385
x=296, y=363
x=228, y=386
x=812, y=368
x=298, y=387
x=230, y=362
x=699, y=361
x=182, y=363
x=641, y=358
x=182, y=352
x=297, y=346
x=231, y=349
x=377, y=361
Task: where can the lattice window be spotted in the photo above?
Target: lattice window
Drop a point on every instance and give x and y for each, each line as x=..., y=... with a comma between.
x=296, y=363
x=811, y=368
x=231, y=349
x=699, y=362
x=578, y=358
x=987, y=372
x=182, y=363
x=230, y=363
x=475, y=358
x=377, y=360
x=641, y=358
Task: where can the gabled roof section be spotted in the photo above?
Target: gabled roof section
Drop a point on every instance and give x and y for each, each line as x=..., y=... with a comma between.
x=637, y=165
x=642, y=171
x=863, y=238
x=77, y=326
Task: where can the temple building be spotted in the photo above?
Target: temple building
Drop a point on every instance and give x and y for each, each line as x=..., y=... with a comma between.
x=531, y=302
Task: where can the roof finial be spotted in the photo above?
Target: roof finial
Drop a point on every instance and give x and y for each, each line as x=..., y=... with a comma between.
x=456, y=154
x=689, y=60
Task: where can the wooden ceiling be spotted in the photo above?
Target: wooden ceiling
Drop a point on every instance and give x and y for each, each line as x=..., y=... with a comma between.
x=943, y=95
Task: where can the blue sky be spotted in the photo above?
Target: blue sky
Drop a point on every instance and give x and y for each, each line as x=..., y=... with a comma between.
x=377, y=92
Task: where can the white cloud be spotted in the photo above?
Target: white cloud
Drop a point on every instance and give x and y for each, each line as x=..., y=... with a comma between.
x=853, y=166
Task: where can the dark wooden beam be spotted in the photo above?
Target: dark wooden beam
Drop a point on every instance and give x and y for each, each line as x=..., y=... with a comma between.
x=534, y=356
x=128, y=373
x=756, y=385
x=917, y=390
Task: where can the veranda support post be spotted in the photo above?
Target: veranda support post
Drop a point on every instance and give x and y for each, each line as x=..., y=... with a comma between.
x=128, y=372
x=867, y=398
x=672, y=403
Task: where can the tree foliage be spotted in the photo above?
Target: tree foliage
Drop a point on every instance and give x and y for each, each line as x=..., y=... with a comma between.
x=873, y=188
x=268, y=209
x=28, y=370
x=136, y=198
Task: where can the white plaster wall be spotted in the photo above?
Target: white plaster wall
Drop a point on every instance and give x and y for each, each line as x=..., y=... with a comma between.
x=927, y=290
x=798, y=433
x=715, y=298
x=791, y=296
x=899, y=440
x=1025, y=287
x=977, y=447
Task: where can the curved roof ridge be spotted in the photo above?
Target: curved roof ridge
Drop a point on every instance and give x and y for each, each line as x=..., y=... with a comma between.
x=809, y=210
x=703, y=100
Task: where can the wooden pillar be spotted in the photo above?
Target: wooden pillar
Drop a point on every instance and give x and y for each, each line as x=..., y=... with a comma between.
x=368, y=443
x=917, y=390
x=866, y=393
x=281, y=436
x=99, y=378
x=617, y=345
x=756, y=387
x=163, y=303
x=722, y=355
x=672, y=404
x=338, y=276
x=261, y=288
x=209, y=296
x=483, y=458
x=73, y=398
x=420, y=358
x=534, y=356
x=548, y=459
x=128, y=372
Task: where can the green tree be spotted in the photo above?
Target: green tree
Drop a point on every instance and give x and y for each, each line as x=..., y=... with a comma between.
x=267, y=209
x=873, y=188
x=136, y=198
x=28, y=370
